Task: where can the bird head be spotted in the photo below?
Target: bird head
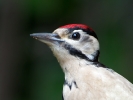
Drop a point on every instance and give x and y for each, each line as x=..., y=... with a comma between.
x=73, y=41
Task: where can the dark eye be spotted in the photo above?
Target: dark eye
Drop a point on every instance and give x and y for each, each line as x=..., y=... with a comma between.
x=76, y=36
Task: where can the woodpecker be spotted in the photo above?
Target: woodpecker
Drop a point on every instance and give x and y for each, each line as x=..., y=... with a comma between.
x=76, y=48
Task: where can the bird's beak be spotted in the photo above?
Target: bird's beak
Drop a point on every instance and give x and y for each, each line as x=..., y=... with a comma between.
x=48, y=38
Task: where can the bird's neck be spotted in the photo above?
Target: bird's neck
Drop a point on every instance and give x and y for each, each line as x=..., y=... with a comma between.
x=70, y=64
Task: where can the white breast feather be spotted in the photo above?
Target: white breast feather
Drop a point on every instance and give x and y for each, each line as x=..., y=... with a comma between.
x=97, y=83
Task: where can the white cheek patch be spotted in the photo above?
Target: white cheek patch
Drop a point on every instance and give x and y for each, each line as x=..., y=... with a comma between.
x=95, y=43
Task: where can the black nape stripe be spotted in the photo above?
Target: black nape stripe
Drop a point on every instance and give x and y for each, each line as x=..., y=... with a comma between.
x=98, y=64
x=92, y=33
x=79, y=54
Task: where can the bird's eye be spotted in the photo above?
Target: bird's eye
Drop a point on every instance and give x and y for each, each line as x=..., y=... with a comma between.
x=75, y=35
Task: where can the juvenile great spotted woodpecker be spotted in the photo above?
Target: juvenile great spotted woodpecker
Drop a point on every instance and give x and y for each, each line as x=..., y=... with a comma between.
x=76, y=48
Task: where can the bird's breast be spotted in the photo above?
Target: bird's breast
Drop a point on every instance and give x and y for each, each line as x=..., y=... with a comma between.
x=96, y=84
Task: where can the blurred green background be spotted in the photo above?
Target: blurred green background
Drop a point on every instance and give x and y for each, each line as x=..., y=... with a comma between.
x=28, y=69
